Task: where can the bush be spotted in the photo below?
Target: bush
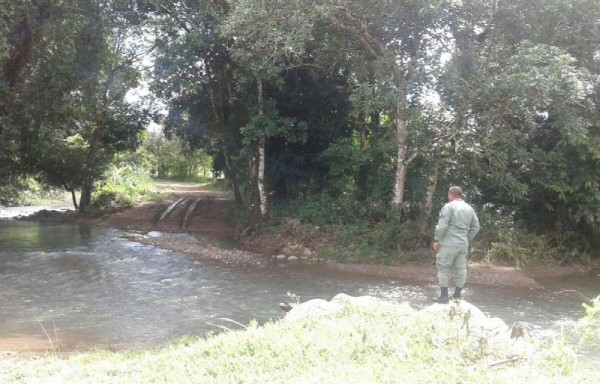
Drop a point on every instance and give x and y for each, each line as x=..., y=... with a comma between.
x=122, y=186
x=319, y=210
x=11, y=194
x=387, y=241
x=589, y=328
x=27, y=191
x=504, y=240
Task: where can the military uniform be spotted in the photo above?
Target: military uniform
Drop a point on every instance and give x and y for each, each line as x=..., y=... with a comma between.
x=457, y=226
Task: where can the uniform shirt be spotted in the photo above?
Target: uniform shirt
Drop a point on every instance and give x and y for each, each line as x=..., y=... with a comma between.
x=458, y=224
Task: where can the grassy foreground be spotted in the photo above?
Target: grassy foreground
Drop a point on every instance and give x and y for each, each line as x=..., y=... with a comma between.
x=381, y=343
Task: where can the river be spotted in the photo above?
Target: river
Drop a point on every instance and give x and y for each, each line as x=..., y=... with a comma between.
x=76, y=287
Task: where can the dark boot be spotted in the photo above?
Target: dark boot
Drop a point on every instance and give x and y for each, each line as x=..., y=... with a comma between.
x=443, y=299
x=457, y=292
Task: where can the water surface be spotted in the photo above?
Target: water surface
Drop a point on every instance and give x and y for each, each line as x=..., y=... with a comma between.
x=87, y=287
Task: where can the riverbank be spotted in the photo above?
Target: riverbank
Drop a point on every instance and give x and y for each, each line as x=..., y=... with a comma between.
x=203, y=214
x=346, y=340
x=213, y=237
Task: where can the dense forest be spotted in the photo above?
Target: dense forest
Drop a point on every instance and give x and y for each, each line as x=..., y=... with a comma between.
x=336, y=111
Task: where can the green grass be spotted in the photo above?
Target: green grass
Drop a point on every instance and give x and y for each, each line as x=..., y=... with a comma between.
x=379, y=344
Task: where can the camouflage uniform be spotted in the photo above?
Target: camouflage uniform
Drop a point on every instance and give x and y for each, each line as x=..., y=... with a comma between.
x=457, y=226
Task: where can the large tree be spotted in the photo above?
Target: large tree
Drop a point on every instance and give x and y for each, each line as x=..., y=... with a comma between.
x=69, y=68
x=525, y=76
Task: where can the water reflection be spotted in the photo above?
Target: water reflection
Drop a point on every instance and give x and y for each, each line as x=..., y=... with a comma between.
x=91, y=288
x=18, y=236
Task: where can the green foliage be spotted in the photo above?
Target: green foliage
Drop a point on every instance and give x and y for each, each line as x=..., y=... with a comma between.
x=355, y=235
x=589, y=327
x=63, y=164
x=502, y=97
x=323, y=209
x=28, y=191
x=11, y=191
x=66, y=77
x=122, y=185
x=390, y=241
x=503, y=240
x=170, y=159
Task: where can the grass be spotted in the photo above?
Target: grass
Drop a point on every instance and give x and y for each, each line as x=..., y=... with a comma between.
x=385, y=343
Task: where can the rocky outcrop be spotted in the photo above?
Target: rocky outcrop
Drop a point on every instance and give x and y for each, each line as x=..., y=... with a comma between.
x=467, y=318
x=49, y=215
x=320, y=307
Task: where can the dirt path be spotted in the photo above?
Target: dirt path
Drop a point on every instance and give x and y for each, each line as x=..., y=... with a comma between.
x=210, y=227
x=199, y=211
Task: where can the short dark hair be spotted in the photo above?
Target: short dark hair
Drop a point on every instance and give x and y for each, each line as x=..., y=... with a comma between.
x=454, y=190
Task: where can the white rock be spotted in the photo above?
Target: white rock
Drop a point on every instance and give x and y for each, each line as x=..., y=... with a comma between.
x=315, y=307
x=494, y=326
x=367, y=302
x=458, y=311
x=281, y=257
x=293, y=258
x=154, y=234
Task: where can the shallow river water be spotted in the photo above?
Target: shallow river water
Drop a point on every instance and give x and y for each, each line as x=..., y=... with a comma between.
x=83, y=287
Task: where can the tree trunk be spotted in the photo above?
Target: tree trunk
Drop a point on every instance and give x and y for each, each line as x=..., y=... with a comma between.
x=261, y=156
x=233, y=177
x=428, y=204
x=92, y=157
x=363, y=132
x=75, y=205
x=86, y=194
x=363, y=169
x=400, y=178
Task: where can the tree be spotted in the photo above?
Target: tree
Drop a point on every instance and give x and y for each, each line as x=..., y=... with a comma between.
x=195, y=74
x=402, y=39
x=283, y=31
x=529, y=87
x=80, y=70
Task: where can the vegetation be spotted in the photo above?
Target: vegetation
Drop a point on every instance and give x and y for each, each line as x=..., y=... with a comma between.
x=589, y=327
x=26, y=191
x=170, y=159
x=388, y=343
x=356, y=113
x=362, y=113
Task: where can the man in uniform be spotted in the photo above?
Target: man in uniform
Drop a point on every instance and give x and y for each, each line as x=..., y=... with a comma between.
x=457, y=226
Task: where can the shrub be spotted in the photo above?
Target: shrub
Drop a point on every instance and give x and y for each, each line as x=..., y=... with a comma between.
x=589, y=328
x=122, y=186
x=504, y=240
x=27, y=191
x=319, y=210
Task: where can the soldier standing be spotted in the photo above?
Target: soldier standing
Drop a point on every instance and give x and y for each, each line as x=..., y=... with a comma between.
x=457, y=226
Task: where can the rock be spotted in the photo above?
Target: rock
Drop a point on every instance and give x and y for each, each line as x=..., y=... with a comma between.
x=281, y=257
x=154, y=234
x=494, y=325
x=292, y=250
x=293, y=258
x=320, y=307
x=311, y=308
x=463, y=311
x=367, y=302
x=470, y=319
x=43, y=215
